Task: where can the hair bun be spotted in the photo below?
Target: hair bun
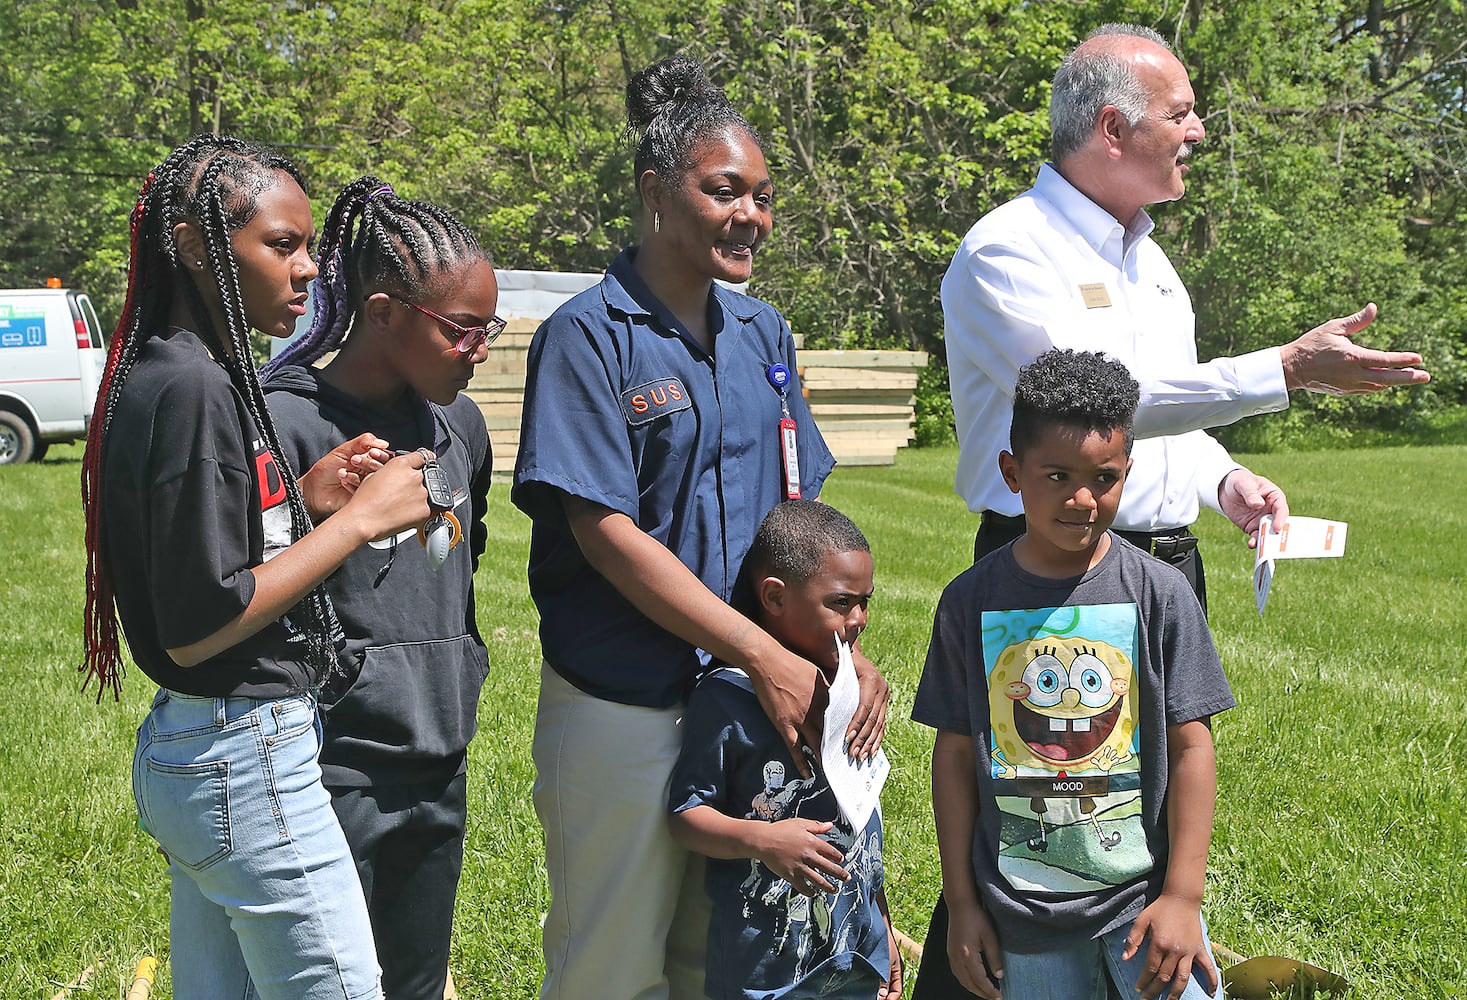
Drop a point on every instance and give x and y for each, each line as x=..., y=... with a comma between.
x=671, y=81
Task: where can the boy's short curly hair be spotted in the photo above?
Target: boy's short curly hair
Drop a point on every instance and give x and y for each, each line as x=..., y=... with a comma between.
x=796, y=536
x=1078, y=389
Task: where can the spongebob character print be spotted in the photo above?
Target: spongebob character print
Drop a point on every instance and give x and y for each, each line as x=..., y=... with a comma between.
x=1064, y=746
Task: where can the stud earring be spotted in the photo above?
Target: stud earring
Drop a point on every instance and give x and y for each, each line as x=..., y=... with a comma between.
x=657, y=222
x=198, y=263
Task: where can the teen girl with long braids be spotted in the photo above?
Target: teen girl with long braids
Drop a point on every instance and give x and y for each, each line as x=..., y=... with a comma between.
x=418, y=295
x=652, y=446
x=198, y=540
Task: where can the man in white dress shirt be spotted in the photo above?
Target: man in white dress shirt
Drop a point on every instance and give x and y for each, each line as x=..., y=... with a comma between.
x=1070, y=263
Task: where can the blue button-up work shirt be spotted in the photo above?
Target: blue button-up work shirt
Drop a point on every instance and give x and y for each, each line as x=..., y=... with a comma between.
x=624, y=409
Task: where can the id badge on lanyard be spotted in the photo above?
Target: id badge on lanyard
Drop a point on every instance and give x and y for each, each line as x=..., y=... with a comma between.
x=789, y=453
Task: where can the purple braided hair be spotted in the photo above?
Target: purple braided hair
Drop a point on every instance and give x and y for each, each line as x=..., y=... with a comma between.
x=375, y=241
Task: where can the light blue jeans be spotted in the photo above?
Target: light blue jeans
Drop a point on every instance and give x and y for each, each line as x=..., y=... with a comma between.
x=1078, y=973
x=265, y=901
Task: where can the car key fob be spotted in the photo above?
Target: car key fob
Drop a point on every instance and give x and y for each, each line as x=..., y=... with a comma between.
x=441, y=532
x=440, y=494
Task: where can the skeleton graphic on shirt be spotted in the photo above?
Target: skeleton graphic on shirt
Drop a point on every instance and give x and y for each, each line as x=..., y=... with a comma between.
x=807, y=918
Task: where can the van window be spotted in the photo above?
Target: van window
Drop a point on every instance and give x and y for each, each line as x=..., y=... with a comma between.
x=95, y=327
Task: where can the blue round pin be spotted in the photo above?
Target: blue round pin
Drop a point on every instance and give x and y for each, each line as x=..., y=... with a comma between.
x=778, y=375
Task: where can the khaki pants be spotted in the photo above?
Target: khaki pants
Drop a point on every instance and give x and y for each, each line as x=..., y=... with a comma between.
x=628, y=911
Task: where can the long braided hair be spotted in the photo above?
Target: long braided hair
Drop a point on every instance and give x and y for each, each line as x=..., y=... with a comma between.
x=214, y=182
x=374, y=241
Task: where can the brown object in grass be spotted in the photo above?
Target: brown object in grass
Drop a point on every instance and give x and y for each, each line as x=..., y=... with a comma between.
x=142, y=978
x=76, y=984
x=911, y=950
x=1269, y=976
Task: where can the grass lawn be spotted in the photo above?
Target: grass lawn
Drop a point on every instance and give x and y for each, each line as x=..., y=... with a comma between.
x=1340, y=838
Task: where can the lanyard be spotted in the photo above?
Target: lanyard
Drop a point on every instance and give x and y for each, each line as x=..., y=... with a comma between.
x=779, y=378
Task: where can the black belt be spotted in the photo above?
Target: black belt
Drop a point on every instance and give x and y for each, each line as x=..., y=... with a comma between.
x=1167, y=543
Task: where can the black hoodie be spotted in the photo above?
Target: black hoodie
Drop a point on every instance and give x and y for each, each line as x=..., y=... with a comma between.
x=414, y=660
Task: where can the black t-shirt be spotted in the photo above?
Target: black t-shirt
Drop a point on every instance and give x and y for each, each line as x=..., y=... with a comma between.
x=764, y=938
x=192, y=501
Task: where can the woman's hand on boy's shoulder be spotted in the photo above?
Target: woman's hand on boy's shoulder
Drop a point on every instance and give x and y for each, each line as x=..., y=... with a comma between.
x=868, y=724
x=792, y=693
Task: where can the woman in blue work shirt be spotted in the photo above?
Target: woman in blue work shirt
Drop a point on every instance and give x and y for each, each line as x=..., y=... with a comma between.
x=653, y=443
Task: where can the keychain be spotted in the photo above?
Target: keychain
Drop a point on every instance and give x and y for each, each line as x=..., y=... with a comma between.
x=779, y=377
x=441, y=532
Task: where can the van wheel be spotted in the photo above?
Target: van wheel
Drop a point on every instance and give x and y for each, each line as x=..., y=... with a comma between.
x=17, y=444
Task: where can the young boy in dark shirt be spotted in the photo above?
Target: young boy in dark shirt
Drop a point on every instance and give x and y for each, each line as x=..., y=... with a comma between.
x=799, y=904
x=1071, y=678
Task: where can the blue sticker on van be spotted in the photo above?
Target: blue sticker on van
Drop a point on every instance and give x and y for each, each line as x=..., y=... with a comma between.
x=22, y=328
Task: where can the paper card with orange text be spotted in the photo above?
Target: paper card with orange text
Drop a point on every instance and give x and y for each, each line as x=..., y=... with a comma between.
x=1300, y=538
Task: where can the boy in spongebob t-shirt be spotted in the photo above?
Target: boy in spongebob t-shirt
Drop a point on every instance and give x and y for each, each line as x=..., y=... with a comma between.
x=1071, y=678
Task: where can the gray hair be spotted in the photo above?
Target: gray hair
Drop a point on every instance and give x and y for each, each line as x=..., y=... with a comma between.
x=1088, y=80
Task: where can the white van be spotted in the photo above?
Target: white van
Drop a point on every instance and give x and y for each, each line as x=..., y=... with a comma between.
x=51, y=360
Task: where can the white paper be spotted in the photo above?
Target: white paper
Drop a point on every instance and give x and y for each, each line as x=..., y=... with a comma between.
x=1301, y=538
x=856, y=784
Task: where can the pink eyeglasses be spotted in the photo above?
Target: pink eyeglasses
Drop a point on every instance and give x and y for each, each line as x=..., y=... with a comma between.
x=469, y=337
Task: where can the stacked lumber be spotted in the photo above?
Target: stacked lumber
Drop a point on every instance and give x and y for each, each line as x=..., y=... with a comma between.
x=498, y=386
x=862, y=400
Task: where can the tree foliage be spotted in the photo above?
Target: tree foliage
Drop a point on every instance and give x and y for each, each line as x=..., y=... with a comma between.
x=1333, y=171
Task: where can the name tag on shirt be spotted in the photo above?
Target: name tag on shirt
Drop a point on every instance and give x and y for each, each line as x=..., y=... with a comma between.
x=654, y=399
x=1095, y=296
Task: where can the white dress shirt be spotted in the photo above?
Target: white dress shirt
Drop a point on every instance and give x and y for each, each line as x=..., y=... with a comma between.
x=1053, y=269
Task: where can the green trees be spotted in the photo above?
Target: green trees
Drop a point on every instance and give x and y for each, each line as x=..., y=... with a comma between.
x=1332, y=178
x=891, y=128
x=1332, y=173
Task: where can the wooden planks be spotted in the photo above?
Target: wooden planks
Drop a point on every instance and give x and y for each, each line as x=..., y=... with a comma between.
x=863, y=401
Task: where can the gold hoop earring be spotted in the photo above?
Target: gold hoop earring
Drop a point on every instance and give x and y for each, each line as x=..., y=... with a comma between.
x=657, y=222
